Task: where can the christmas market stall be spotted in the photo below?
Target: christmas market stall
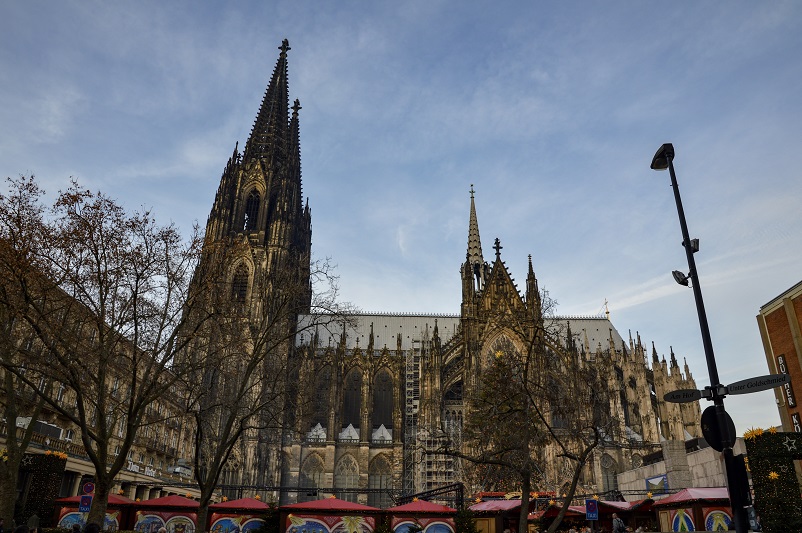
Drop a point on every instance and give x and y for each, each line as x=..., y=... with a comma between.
x=329, y=515
x=117, y=513
x=429, y=517
x=695, y=509
x=542, y=519
x=238, y=516
x=494, y=516
x=175, y=513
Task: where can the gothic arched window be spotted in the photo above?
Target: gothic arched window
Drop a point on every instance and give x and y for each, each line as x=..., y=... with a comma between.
x=239, y=284
x=251, y=210
x=321, y=401
x=311, y=478
x=383, y=400
x=346, y=476
x=380, y=476
x=609, y=473
x=352, y=400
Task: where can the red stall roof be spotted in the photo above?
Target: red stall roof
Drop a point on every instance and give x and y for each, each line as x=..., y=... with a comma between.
x=169, y=501
x=250, y=504
x=422, y=506
x=113, y=500
x=328, y=504
x=496, y=505
x=694, y=495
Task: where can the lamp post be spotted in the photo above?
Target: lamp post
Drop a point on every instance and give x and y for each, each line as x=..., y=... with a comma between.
x=664, y=159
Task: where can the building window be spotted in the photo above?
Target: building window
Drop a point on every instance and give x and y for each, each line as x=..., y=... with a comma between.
x=251, y=211
x=380, y=476
x=609, y=473
x=346, y=476
x=311, y=478
x=383, y=400
x=239, y=284
x=322, y=392
x=352, y=399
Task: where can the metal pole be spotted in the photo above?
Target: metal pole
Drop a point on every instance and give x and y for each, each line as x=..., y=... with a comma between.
x=736, y=495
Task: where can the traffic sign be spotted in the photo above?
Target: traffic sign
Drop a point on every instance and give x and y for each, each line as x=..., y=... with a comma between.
x=89, y=487
x=591, y=510
x=711, y=430
x=759, y=383
x=682, y=395
x=85, y=504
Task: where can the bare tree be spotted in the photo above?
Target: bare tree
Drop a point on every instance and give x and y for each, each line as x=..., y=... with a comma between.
x=537, y=402
x=242, y=396
x=17, y=211
x=104, y=296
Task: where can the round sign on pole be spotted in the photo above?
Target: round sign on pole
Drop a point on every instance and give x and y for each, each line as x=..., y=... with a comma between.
x=711, y=430
x=89, y=488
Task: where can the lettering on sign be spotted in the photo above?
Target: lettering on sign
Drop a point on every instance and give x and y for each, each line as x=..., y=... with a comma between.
x=788, y=390
x=682, y=395
x=796, y=422
x=758, y=384
x=150, y=471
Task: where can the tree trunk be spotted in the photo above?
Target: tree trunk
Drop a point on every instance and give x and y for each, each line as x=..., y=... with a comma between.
x=523, y=517
x=203, y=509
x=97, y=513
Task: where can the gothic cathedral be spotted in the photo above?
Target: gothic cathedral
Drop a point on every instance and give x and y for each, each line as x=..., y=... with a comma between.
x=360, y=400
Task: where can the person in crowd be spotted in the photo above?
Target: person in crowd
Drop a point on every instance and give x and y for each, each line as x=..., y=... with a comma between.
x=618, y=524
x=92, y=527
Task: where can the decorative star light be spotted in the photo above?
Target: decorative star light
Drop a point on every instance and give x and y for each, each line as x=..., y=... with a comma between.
x=774, y=476
x=649, y=495
x=790, y=443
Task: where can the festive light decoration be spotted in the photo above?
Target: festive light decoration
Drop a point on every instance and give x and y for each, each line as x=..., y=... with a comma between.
x=771, y=463
x=257, y=497
x=649, y=495
x=596, y=497
x=121, y=492
x=415, y=499
x=46, y=471
x=225, y=498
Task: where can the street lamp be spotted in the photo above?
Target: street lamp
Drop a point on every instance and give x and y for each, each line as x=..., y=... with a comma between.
x=664, y=159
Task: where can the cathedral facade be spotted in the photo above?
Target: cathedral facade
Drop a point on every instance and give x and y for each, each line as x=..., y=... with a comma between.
x=363, y=397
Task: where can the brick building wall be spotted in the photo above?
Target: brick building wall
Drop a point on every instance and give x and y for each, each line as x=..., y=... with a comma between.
x=780, y=323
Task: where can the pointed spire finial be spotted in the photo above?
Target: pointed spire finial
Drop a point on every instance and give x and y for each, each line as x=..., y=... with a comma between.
x=296, y=106
x=497, y=247
x=285, y=46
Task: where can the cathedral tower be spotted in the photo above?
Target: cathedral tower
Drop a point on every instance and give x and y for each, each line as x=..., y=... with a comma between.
x=257, y=249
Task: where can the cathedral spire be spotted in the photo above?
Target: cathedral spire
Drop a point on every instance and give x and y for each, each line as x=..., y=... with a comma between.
x=474, y=242
x=269, y=135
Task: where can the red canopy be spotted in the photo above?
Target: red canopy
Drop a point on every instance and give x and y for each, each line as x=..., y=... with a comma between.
x=694, y=495
x=328, y=504
x=169, y=501
x=422, y=506
x=250, y=504
x=113, y=500
x=497, y=505
x=553, y=510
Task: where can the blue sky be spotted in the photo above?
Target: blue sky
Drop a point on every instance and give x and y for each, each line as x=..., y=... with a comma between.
x=553, y=110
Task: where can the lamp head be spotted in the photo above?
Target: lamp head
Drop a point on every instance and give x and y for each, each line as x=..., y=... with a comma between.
x=663, y=156
x=680, y=277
